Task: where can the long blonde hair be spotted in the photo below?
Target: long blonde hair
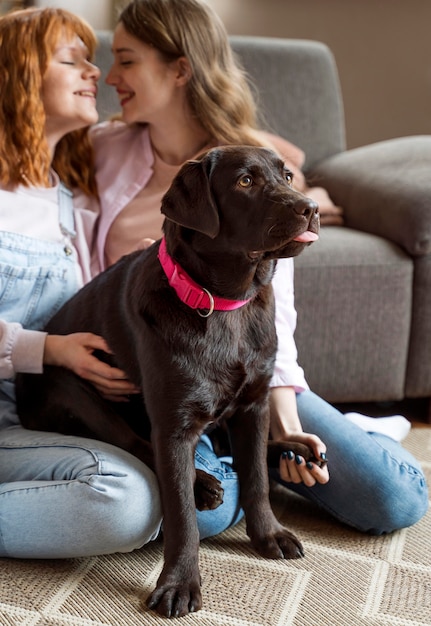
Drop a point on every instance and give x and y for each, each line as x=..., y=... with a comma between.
x=219, y=94
x=28, y=39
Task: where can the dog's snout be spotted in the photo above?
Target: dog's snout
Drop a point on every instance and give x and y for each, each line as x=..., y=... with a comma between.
x=306, y=207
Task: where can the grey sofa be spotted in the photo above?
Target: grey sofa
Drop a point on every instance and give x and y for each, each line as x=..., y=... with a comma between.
x=363, y=291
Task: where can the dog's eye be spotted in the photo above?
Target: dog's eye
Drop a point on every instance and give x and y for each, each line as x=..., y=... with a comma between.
x=288, y=176
x=246, y=181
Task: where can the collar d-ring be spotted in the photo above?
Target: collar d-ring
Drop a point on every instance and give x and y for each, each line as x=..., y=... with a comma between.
x=211, y=309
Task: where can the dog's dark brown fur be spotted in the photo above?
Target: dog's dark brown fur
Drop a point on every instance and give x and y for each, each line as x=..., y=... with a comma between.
x=229, y=215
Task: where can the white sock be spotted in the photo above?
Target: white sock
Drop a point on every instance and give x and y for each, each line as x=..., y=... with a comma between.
x=395, y=426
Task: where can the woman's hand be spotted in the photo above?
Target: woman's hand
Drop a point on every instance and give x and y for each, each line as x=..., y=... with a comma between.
x=75, y=352
x=286, y=426
x=330, y=214
x=294, y=469
x=145, y=243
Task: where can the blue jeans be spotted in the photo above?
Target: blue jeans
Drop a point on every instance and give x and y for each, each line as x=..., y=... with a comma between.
x=375, y=485
x=63, y=496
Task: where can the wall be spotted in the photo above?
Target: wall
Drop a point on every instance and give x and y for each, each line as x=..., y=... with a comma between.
x=382, y=49
x=99, y=13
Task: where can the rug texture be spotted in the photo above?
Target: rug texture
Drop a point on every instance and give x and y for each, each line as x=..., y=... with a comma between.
x=346, y=578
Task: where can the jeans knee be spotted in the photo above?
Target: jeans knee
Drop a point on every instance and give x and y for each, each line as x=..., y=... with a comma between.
x=132, y=511
x=406, y=509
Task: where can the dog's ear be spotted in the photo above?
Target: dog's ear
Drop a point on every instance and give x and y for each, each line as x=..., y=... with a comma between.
x=189, y=201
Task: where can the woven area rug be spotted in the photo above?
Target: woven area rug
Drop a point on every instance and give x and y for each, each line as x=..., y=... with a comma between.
x=346, y=578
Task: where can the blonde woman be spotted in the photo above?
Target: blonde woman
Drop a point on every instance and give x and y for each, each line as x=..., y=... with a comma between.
x=180, y=92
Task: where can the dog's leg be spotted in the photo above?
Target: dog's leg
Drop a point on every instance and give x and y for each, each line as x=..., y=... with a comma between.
x=249, y=433
x=276, y=449
x=178, y=587
x=222, y=447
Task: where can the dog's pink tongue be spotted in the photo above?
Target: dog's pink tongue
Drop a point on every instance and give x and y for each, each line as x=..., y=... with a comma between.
x=307, y=237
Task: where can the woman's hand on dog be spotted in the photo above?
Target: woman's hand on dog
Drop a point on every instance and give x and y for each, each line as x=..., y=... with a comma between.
x=294, y=468
x=75, y=352
x=286, y=426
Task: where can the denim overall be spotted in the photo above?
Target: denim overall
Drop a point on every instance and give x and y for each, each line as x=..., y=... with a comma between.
x=36, y=278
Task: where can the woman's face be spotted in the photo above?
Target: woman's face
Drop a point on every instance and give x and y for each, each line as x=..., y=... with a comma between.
x=146, y=84
x=69, y=89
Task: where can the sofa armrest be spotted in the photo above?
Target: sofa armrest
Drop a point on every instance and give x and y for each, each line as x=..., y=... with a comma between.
x=384, y=189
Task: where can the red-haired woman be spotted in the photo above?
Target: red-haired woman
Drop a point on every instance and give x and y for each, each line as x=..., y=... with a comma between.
x=60, y=496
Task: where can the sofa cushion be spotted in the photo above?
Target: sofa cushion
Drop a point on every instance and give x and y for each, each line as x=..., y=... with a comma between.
x=353, y=294
x=418, y=380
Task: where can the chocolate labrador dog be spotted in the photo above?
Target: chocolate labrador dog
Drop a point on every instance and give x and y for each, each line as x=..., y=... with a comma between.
x=191, y=322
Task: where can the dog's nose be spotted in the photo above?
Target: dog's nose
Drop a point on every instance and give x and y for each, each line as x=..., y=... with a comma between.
x=306, y=207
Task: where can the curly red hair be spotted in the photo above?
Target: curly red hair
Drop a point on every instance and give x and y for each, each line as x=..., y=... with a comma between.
x=27, y=41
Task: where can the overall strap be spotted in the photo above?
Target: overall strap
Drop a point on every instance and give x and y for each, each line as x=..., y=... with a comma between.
x=66, y=215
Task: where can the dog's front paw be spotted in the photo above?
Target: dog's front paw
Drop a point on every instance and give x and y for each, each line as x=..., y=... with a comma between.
x=276, y=448
x=208, y=491
x=176, y=599
x=280, y=544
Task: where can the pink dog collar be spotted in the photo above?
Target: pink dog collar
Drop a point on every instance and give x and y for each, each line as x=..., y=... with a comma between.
x=191, y=293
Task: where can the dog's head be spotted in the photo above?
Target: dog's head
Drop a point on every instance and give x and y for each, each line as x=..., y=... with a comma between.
x=242, y=196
